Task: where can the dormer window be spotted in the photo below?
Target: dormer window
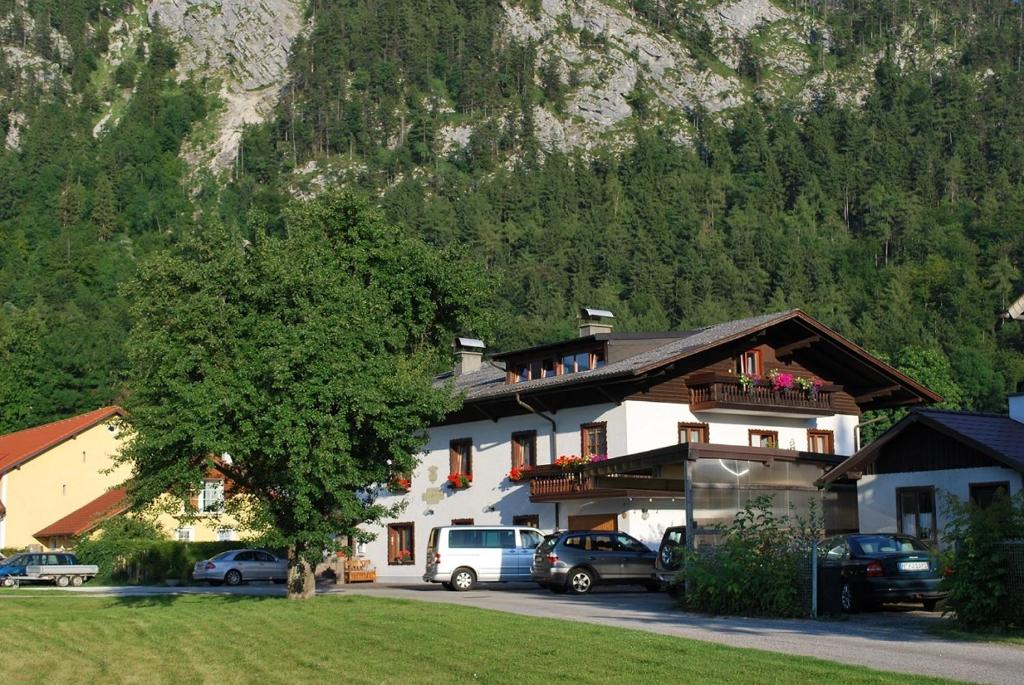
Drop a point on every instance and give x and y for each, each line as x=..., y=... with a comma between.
x=549, y=367
x=522, y=373
x=749, y=363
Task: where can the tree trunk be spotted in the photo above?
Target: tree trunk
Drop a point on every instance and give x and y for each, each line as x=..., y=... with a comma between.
x=301, y=581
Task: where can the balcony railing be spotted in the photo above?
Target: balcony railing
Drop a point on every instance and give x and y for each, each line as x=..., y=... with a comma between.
x=577, y=485
x=565, y=484
x=726, y=393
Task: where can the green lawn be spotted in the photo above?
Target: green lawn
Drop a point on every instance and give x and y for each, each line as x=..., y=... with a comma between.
x=76, y=639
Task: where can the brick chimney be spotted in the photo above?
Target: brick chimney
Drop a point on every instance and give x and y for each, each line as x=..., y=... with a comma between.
x=469, y=354
x=1016, y=402
x=594, y=321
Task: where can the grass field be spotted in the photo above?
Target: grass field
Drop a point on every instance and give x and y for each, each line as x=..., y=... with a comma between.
x=74, y=639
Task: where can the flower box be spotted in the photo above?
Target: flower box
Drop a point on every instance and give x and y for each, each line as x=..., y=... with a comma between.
x=460, y=481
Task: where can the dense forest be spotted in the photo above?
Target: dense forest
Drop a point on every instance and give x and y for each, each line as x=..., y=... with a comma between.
x=895, y=218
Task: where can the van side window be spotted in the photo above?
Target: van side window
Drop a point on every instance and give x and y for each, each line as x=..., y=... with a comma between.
x=503, y=539
x=463, y=539
x=529, y=539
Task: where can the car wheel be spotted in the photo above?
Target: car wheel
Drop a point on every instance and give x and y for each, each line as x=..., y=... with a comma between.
x=233, y=577
x=63, y=581
x=846, y=599
x=463, y=579
x=931, y=604
x=7, y=581
x=77, y=581
x=581, y=581
x=652, y=587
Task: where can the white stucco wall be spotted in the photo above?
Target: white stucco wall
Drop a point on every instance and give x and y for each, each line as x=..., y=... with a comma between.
x=633, y=426
x=655, y=424
x=876, y=494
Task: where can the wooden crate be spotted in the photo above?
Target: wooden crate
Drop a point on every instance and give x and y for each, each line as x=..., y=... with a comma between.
x=359, y=571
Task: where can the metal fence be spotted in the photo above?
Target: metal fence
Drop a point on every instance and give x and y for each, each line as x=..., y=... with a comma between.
x=1015, y=569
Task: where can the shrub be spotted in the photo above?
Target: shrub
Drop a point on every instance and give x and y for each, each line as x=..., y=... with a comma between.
x=980, y=595
x=133, y=551
x=759, y=569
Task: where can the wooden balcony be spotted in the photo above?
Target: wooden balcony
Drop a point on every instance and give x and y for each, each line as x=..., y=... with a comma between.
x=579, y=485
x=725, y=394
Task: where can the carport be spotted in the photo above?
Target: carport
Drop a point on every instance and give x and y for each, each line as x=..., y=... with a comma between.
x=701, y=485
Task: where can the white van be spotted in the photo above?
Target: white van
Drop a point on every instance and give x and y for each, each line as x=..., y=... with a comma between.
x=458, y=557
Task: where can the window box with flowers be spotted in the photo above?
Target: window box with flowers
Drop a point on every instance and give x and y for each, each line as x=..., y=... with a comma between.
x=518, y=473
x=399, y=484
x=776, y=390
x=460, y=481
x=575, y=462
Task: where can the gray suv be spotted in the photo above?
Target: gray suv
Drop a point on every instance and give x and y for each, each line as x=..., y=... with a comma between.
x=577, y=560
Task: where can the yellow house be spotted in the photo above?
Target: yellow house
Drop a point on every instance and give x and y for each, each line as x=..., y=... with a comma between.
x=59, y=480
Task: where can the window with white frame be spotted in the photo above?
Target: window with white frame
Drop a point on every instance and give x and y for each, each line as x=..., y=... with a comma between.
x=211, y=497
x=185, y=534
x=226, y=534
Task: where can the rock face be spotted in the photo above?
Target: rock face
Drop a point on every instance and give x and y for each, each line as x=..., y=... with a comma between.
x=247, y=43
x=609, y=52
x=15, y=122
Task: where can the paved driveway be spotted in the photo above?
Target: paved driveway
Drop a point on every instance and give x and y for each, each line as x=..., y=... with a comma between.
x=890, y=640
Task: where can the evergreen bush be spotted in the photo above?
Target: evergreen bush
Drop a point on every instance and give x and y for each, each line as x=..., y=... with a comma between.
x=760, y=569
x=980, y=576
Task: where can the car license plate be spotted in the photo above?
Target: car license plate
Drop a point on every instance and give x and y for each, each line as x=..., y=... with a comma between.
x=913, y=565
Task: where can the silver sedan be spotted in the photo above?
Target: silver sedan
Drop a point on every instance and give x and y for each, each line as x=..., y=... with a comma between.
x=239, y=566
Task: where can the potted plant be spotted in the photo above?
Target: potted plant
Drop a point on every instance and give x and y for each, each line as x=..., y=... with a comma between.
x=400, y=484
x=516, y=474
x=460, y=481
x=572, y=462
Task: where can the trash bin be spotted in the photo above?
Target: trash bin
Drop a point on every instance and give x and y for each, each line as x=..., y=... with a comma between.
x=830, y=585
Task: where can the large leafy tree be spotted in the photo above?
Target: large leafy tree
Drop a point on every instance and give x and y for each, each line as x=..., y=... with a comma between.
x=307, y=356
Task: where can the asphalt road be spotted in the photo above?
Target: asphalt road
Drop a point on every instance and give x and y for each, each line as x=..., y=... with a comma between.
x=889, y=640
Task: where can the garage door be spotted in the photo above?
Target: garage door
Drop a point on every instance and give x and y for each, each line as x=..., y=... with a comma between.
x=594, y=522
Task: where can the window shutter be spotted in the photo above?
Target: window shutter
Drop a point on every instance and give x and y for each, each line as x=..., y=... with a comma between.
x=453, y=460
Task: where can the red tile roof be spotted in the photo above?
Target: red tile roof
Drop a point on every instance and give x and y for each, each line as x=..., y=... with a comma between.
x=18, y=448
x=84, y=519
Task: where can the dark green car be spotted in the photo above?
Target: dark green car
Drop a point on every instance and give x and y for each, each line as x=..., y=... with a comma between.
x=878, y=568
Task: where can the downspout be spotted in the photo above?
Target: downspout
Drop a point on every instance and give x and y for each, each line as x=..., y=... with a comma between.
x=856, y=431
x=554, y=433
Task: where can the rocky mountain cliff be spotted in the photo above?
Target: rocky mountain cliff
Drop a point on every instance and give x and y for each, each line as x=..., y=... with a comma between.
x=609, y=58
x=679, y=162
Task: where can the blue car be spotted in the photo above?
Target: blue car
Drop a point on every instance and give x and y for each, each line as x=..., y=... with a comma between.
x=13, y=566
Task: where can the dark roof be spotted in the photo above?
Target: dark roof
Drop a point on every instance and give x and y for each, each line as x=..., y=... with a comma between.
x=996, y=435
x=18, y=448
x=87, y=517
x=489, y=381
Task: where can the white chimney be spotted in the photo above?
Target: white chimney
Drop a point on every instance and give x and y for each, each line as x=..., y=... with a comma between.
x=1016, y=402
x=469, y=354
x=594, y=321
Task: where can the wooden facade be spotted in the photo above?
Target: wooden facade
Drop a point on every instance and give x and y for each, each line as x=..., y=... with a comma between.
x=922, y=448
